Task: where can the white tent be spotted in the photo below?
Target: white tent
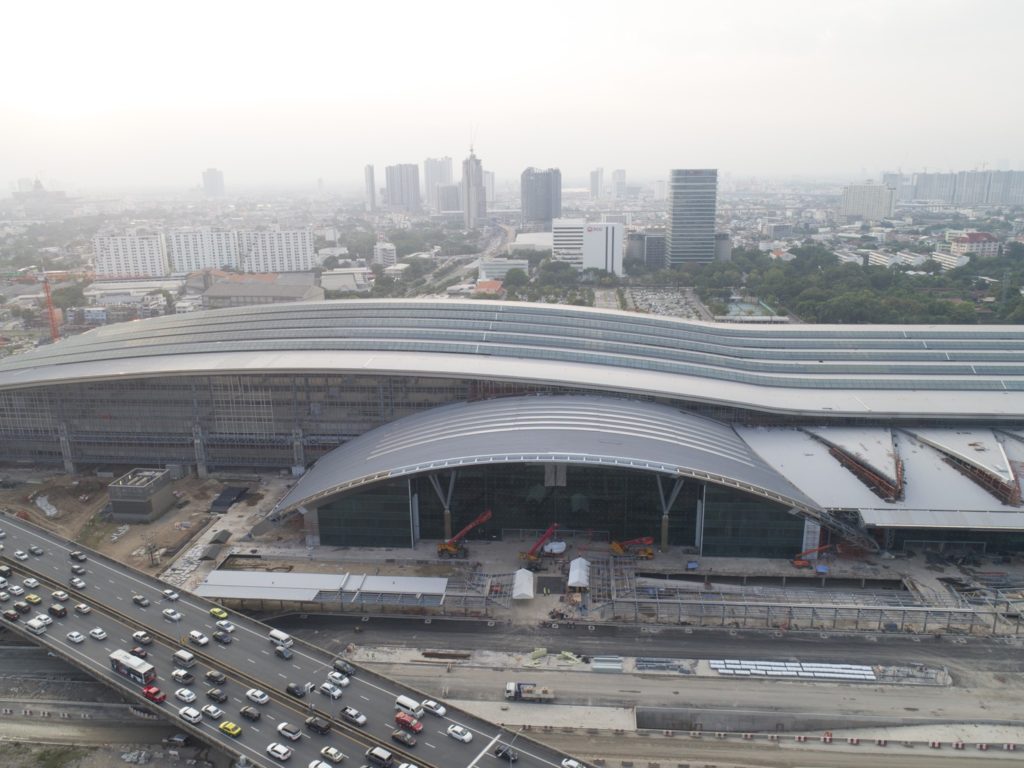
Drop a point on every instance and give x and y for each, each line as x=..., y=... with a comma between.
x=579, y=573
x=522, y=585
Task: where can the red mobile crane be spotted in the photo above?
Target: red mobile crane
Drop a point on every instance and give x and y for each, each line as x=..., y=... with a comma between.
x=454, y=547
x=640, y=548
x=532, y=557
x=800, y=560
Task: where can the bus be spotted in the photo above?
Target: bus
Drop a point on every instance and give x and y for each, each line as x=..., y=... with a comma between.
x=142, y=672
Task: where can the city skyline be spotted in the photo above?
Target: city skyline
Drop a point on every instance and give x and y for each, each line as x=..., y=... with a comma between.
x=797, y=89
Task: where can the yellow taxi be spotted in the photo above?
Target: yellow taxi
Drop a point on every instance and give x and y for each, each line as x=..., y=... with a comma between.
x=33, y=599
x=220, y=613
x=231, y=729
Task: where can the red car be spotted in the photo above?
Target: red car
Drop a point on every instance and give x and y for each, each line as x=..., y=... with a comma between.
x=408, y=722
x=153, y=693
x=140, y=652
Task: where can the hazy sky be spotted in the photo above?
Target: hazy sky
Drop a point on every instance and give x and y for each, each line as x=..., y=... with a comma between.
x=107, y=94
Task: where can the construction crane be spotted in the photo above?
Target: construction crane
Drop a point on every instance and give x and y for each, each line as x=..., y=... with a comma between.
x=640, y=548
x=454, y=547
x=801, y=561
x=532, y=557
x=51, y=312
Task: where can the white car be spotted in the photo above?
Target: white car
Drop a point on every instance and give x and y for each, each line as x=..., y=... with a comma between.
x=20, y=555
x=77, y=583
x=338, y=679
x=279, y=751
x=190, y=714
x=30, y=582
x=198, y=637
x=4, y=597
x=214, y=713
x=257, y=696
x=226, y=625
x=317, y=764
x=184, y=694
x=170, y=594
x=570, y=763
x=434, y=708
x=98, y=633
x=60, y=596
x=3, y=533
x=333, y=754
x=75, y=637
x=82, y=608
x=289, y=731
x=171, y=614
x=16, y=590
x=44, y=619
x=330, y=689
x=460, y=733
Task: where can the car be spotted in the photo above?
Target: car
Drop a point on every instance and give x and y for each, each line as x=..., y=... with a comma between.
x=330, y=689
x=460, y=733
x=171, y=615
x=60, y=596
x=16, y=590
x=77, y=583
x=153, y=693
x=318, y=725
x=77, y=570
x=139, y=651
x=170, y=594
x=344, y=667
x=190, y=714
x=184, y=694
x=33, y=599
x=225, y=625
x=404, y=737
x=198, y=638
x=407, y=721
x=333, y=754
x=75, y=637
x=4, y=597
x=317, y=764
x=279, y=751
x=22, y=607
x=141, y=600
x=230, y=728
x=568, y=762
x=82, y=608
x=3, y=533
x=58, y=610
x=249, y=713
x=218, y=613
x=212, y=712
x=216, y=677
x=78, y=555
x=217, y=695
x=257, y=696
x=43, y=619
x=338, y=679
x=289, y=731
x=283, y=653
x=222, y=637
x=37, y=551
x=431, y=706
x=98, y=633
x=353, y=715
x=30, y=583
x=183, y=676
x=142, y=637
x=11, y=615
x=20, y=555
x=296, y=690
x=505, y=752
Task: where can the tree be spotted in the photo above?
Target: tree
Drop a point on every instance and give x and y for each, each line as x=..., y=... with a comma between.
x=516, y=278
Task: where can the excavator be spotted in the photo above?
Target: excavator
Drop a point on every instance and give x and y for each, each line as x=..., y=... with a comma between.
x=801, y=561
x=532, y=557
x=639, y=548
x=454, y=547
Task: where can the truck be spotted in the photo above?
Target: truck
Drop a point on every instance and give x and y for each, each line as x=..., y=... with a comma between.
x=528, y=692
x=154, y=694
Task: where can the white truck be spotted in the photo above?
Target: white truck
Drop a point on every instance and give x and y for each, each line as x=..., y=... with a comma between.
x=528, y=692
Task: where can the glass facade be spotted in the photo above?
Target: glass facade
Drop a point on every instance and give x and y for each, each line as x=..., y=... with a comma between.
x=943, y=540
x=377, y=516
x=741, y=525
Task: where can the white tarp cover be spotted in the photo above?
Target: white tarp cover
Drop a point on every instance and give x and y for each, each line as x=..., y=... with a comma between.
x=522, y=585
x=579, y=573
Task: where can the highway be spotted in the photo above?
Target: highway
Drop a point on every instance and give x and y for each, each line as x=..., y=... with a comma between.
x=247, y=662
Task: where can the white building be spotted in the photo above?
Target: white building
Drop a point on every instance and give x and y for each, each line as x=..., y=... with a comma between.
x=192, y=250
x=130, y=255
x=396, y=271
x=531, y=241
x=350, y=279
x=276, y=250
x=497, y=269
x=869, y=202
x=384, y=253
x=981, y=244
x=948, y=261
x=588, y=245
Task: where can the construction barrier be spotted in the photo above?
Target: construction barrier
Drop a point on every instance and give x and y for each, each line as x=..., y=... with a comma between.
x=719, y=735
x=826, y=738
x=881, y=742
x=935, y=744
x=800, y=739
x=853, y=740
x=1009, y=747
x=694, y=734
x=958, y=745
x=983, y=747
x=748, y=736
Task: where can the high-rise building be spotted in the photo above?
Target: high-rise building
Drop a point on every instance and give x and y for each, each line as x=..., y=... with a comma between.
x=384, y=253
x=588, y=245
x=276, y=250
x=619, y=184
x=134, y=254
x=190, y=250
x=474, y=196
x=690, y=237
x=489, y=187
x=449, y=198
x=213, y=182
x=437, y=172
x=403, y=182
x=654, y=250
x=370, y=188
x=541, y=195
x=868, y=202
x=597, y=184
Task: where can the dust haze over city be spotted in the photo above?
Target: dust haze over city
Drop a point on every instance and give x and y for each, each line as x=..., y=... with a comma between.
x=573, y=385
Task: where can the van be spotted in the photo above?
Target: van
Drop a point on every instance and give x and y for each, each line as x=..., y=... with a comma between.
x=35, y=626
x=3, y=583
x=183, y=659
x=409, y=706
x=5, y=571
x=58, y=610
x=380, y=757
x=277, y=637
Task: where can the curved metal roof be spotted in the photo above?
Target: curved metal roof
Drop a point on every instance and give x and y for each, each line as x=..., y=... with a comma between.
x=552, y=429
x=949, y=370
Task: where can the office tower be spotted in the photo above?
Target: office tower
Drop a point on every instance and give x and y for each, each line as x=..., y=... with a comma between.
x=474, y=199
x=403, y=185
x=541, y=195
x=449, y=197
x=588, y=245
x=213, y=182
x=384, y=253
x=370, y=188
x=690, y=237
x=619, y=184
x=489, y=187
x=869, y=202
x=437, y=172
x=597, y=184
x=133, y=254
x=276, y=250
x=654, y=250
x=190, y=250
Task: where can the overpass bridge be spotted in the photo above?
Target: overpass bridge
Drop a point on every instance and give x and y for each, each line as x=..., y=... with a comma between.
x=247, y=662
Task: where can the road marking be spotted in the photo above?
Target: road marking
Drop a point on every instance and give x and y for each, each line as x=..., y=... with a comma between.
x=282, y=675
x=250, y=661
x=119, y=597
x=429, y=745
x=485, y=750
x=255, y=729
x=364, y=698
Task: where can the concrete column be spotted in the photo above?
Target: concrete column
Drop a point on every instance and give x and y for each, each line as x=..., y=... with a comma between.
x=664, y=532
x=200, y=448
x=298, y=453
x=446, y=501
x=666, y=505
x=65, y=448
x=699, y=533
